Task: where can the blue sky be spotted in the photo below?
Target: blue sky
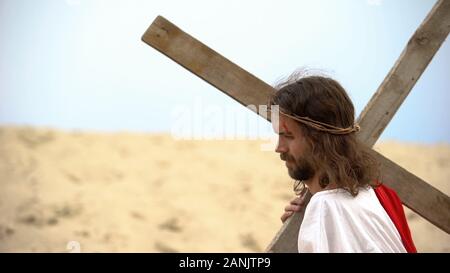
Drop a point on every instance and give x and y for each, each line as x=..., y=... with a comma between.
x=79, y=64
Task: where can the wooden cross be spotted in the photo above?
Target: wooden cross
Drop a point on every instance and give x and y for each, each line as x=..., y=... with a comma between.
x=247, y=89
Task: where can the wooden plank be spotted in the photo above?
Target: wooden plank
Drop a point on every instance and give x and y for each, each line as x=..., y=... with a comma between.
x=418, y=53
x=197, y=60
x=416, y=194
x=206, y=63
x=286, y=239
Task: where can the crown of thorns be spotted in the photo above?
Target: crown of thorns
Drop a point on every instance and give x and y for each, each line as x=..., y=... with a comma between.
x=321, y=126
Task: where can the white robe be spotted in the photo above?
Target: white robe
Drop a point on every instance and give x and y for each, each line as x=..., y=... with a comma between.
x=335, y=221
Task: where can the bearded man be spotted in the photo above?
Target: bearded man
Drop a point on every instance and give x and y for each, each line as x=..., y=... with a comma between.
x=350, y=210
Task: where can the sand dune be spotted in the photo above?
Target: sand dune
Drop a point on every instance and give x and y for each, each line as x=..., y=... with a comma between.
x=70, y=191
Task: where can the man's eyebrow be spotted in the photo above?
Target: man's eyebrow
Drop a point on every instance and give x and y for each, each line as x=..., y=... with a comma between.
x=286, y=131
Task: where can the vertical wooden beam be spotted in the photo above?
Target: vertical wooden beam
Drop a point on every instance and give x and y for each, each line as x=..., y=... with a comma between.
x=286, y=239
x=417, y=54
x=249, y=90
x=415, y=193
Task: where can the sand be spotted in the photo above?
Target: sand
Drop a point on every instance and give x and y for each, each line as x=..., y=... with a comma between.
x=123, y=192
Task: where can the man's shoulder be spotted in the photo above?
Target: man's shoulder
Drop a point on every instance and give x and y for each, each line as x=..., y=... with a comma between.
x=341, y=198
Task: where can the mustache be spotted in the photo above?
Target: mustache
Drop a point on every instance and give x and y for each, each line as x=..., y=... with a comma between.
x=286, y=156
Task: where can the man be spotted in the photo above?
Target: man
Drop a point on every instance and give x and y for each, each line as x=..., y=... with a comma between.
x=349, y=211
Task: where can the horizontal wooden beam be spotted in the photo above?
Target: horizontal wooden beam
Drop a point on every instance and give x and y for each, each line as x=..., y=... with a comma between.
x=249, y=90
x=206, y=63
x=415, y=193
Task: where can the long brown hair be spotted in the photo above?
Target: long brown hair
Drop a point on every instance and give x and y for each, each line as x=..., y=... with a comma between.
x=341, y=159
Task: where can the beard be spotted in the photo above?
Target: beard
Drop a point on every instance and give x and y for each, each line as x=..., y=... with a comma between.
x=302, y=169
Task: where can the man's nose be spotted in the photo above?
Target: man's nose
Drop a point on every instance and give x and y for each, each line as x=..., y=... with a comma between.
x=281, y=147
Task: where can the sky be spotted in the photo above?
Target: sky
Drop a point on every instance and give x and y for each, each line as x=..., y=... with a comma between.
x=81, y=64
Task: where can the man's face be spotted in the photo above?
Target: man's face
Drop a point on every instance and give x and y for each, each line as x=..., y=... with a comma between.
x=292, y=148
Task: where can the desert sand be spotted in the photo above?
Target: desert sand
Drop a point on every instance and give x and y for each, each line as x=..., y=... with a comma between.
x=128, y=192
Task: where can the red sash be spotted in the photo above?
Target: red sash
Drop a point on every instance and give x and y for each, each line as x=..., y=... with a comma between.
x=394, y=208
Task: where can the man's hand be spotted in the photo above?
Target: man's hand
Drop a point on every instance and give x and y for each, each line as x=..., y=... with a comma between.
x=295, y=205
